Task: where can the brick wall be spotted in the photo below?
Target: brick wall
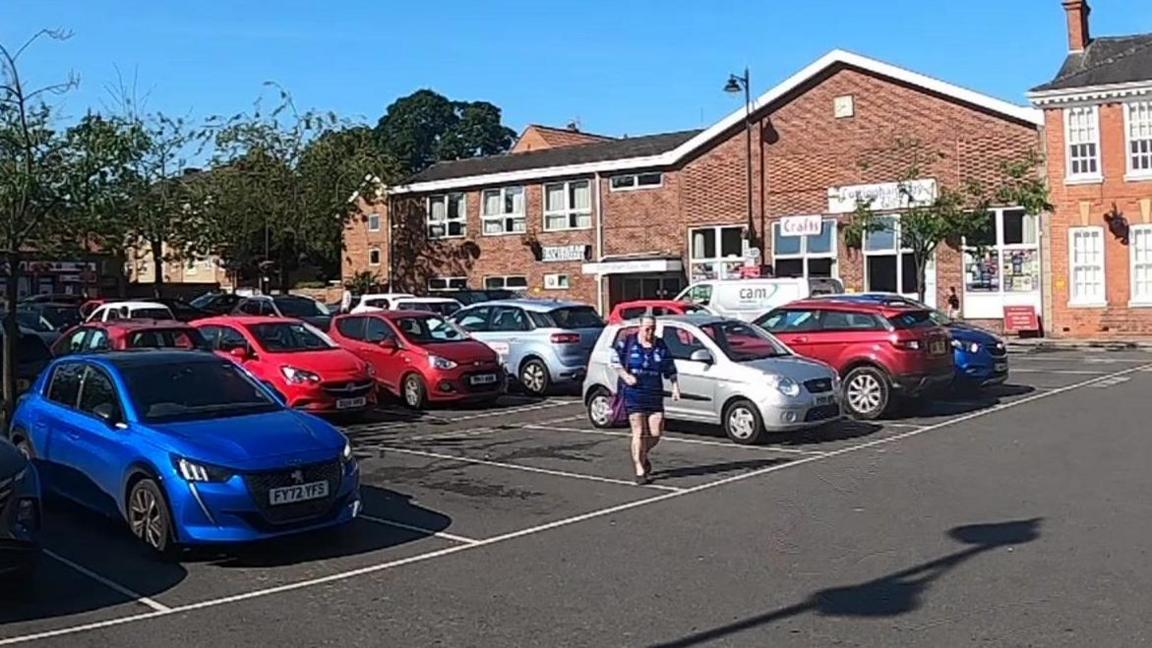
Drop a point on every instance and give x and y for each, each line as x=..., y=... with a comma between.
x=1117, y=318
x=359, y=240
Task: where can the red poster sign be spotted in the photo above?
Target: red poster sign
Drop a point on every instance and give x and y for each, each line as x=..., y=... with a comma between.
x=750, y=272
x=1020, y=318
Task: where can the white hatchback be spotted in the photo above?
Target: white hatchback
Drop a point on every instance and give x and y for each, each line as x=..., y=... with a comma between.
x=130, y=310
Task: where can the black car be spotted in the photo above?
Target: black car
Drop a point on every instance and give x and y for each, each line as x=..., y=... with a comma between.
x=183, y=311
x=32, y=355
x=217, y=303
x=60, y=316
x=294, y=306
x=20, y=515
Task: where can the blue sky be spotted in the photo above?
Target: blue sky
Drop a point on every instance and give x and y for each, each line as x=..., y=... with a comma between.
x=619, y=67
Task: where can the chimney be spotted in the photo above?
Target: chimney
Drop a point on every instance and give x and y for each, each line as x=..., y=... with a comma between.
x=1078, y=37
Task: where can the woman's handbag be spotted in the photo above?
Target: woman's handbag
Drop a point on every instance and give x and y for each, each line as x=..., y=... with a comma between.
x=619, y=414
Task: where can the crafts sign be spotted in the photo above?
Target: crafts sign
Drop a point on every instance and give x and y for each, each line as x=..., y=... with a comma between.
x=801, y=225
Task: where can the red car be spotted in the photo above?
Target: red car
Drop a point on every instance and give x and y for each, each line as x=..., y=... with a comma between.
x=633, y=309
x=295, y=358
x=118, y=335
x=421, y=357
x=882, y=352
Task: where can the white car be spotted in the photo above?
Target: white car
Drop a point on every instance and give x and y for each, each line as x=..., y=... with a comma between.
x=376, y=301
x=130, y=310
x=443, y=306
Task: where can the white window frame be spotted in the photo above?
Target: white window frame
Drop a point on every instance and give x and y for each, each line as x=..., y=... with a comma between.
x=1138, y=131
x=504, y=282
x=804, y=254
x=636, y=186
x=461, y=284
x=1002, y=249
x=899, y=250
x=1093, y=139
x=561, y=281
x=377, y=251
x=461, y=218
x=717, y=262
x=377, y=217
x=572, y=215
x=1092, y=301
x=1134, y=233
x=503, y=218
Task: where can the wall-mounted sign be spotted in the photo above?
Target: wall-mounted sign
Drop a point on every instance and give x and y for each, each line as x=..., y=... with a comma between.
x=1021, y=318
x=801, y=225
x=884, y=196
x=557, y=253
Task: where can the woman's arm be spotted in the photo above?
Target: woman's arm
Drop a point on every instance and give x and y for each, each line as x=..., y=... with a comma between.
x=668, y=369
x=620, y=362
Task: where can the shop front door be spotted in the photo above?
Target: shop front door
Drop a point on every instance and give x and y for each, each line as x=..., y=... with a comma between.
x=665, y=286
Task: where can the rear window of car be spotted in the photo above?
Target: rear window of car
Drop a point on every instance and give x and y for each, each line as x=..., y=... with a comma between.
x=151, y=313
x=632, y=312
x=569, y=317
x=299, y=307
x=912, y=319
x=166, y=339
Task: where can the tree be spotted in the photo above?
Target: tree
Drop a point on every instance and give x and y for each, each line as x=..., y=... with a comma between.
x=949, y=215
x=426, y=127
x=59, y=190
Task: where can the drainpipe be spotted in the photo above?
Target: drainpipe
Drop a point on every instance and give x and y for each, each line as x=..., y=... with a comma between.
x=599, y=245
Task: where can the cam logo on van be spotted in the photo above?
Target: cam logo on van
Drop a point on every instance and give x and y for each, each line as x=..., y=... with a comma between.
x=760, y=293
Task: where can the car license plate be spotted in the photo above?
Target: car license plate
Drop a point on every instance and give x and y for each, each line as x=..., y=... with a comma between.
x=298, y=493
x=1001, y=367
x=825, y=400
x=346, y=403
x=483, y=379
x=937, y=347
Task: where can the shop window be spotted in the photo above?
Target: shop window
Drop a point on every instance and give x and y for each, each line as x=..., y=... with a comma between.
x=447, y=283
x=805, y=256
x=1138, y=126
x=556, y=282
x=887, y=266
x=1140, y=249
x=1005, y=257
x=1086, y=266
x=503, y=211
x=447, y=216
x=568, y=205
x=716, y=252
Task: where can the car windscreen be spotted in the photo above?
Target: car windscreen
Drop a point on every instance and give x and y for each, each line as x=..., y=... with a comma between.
x=912, y=319
x=375, y=303
x=743, y=342
x=299, y=307
x=568, y=317
x=61, y=317
x=203, y=301
x=290, y=337
x=178, y=391
x=188, y=339
x=428, y=330
x=151, y=313
x=32, y=320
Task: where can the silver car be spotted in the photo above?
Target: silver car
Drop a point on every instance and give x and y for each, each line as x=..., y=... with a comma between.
x=731, y=373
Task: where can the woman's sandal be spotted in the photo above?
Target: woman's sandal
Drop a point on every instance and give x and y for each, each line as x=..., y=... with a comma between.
x=643, y=480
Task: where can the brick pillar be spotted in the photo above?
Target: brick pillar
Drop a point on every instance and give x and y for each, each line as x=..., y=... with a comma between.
x=1077, y=12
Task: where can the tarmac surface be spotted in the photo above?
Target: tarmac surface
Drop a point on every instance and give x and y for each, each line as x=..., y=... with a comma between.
x=1016, y=518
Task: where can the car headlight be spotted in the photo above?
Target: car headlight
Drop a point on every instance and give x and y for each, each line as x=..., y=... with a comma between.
x=974, y=347
x=195, y=472
x=436, y=362
x=956, y=344
x=299, y=376
x=346, y=455
x=787, y=386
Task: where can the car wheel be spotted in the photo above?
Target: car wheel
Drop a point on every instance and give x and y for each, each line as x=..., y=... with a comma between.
x=149, y=518
x=742, y=422
x=866, y=392
x=25, y=447
x=600, y=408
x=534, y=377
x=414, y=392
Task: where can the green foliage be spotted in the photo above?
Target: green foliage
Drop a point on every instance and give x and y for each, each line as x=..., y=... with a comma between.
x=363, y=282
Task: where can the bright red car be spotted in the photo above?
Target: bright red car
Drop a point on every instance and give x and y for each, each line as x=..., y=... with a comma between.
x=881, y=351
x=657, y=307
x=301, y=362
x=118, y=335
x=421, y=357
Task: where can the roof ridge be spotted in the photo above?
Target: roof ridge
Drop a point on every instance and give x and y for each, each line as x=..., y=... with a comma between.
x=561, y=129
x=1112, y=59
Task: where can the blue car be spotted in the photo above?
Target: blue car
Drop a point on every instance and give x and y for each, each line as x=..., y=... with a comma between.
x=186, y=447
x=980, y=357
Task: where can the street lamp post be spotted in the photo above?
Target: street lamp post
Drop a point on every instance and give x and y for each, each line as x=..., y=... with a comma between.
x=735, y=84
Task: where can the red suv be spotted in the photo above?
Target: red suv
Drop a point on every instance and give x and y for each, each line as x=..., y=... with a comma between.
x=657, y=307
x=421, y=357
x=881, y=352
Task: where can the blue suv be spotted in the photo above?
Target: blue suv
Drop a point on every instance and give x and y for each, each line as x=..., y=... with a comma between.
x=980, y=357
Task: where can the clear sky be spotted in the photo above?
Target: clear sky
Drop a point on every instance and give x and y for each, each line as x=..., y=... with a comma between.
x=619, y=67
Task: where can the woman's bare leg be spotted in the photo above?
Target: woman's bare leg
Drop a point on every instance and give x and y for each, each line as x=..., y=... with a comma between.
x=639, y=442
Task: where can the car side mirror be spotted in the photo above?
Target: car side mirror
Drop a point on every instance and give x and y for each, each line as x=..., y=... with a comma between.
x=702, y=355
x=387, y=343
x=239, y=353
x=108, y=413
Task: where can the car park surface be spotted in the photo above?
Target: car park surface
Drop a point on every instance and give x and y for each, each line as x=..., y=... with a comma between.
x=518, y=523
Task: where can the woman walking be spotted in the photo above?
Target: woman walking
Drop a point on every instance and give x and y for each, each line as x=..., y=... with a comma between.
x=643, y=363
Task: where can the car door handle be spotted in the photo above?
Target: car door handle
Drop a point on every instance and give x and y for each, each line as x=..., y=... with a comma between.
x=800, y=340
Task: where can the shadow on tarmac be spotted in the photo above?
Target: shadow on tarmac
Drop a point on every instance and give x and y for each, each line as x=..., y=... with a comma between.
x=890, y=595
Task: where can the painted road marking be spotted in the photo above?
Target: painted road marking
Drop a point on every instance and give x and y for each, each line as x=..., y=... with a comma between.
x=669, y=437
x=591, y=515
x=408, y=527
x=1060, y=372
x=110, y=584
x=1111, y=382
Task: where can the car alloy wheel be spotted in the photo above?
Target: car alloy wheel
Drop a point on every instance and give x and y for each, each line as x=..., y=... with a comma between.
x=148, y=515
x=414, y=392
x=866, y=392
x=534, y=377
x=600, y=409
x=742, y=423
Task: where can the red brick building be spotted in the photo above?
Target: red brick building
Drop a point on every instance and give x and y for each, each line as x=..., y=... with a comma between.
x=617, y=219
x=1098, y=121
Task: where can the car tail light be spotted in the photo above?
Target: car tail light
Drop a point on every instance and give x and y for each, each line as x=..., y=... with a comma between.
x=565, y=338
x=908, y=345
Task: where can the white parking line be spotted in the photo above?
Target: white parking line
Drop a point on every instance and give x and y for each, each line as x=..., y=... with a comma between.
x=408, y=527
x=902, y=425
x=110, y=584
x=612, y=510
x=512, y=410
x=678, y=439
x=544, y=471
x=1062, y=372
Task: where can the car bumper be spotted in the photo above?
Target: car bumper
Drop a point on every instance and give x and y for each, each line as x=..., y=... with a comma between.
x=793, y=415
x=18, y=556
x=454, y=387
x=318, y=401
x=228, y=513
x=915, y=384
x=982, y=371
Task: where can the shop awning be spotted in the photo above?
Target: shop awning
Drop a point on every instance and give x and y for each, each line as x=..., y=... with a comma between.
x=633, y=265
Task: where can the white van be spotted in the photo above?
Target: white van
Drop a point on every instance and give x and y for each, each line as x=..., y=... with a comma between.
x=746, y=299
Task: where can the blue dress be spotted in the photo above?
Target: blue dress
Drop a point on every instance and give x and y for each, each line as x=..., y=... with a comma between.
x=650, y=366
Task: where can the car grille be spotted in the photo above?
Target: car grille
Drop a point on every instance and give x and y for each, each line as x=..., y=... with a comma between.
x=822, y=412
x=818, y=386
x=5, y=492
x=260, y=483
x=348, y=389
x=997, y=350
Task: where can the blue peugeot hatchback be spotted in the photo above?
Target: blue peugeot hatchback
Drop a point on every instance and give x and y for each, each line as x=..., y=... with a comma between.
x=981, y=359
x=188, y=448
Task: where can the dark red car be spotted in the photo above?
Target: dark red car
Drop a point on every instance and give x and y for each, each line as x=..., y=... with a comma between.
x=421, y=357
x=881, y=352
x=119, y=335
x=629, y=310
x=310, y=370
